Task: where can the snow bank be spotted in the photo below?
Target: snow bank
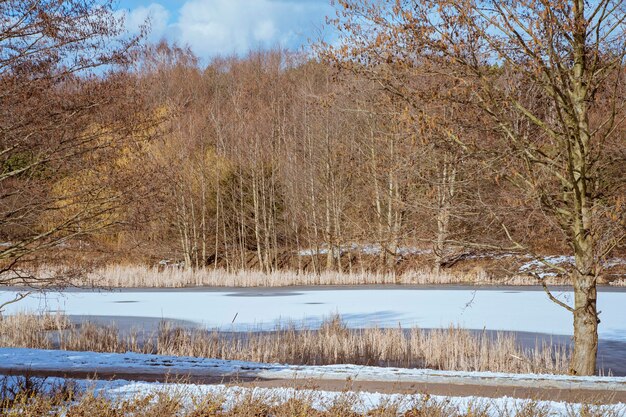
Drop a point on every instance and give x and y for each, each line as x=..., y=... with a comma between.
x=118, y=363
x=542, y=266
x=362, y=402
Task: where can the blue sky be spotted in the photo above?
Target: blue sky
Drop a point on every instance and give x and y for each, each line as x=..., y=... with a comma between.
x=223, y=27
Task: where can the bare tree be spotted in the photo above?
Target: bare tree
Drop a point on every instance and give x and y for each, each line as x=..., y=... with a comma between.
x=62, y=121
x=571, y=54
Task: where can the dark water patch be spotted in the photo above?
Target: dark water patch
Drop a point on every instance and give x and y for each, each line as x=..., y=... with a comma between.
x=264, y=294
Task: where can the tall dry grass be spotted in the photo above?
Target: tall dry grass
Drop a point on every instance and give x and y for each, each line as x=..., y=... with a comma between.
x=32, y=331
x=334, y=343
x=446, y=349
x=621, y=282
x=138, y=276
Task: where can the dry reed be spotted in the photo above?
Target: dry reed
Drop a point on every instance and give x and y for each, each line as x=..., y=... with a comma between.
x=138, y=276
x=333, y=343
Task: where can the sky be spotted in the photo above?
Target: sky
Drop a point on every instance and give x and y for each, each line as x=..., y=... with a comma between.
x=224, y=27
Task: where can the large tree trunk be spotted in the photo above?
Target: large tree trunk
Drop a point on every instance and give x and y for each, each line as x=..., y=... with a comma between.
x=584, y=280
x=585, y=271
x=585, y=325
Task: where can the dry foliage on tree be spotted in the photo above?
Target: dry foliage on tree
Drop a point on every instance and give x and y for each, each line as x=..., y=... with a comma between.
x=549, y=77
x=67, y=113
x=270, y=156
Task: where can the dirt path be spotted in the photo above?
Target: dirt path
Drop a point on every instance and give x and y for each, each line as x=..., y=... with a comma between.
x=472, y=388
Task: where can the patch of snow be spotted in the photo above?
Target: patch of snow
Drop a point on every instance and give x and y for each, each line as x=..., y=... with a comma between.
x=362, y=402
x=371, y=249
x=168, y=263
x=402, y=250
x=491, y=256
x=312, y=251
x=559, y=261
x=366, y=249
x=542, y=275
x=613, y=262
x=93, y=362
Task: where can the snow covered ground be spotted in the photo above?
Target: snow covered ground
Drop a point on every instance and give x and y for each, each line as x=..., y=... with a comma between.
x=245, y=309
x=543, y=267
x=366, y=248
x=120, y=363
x=361, y=401
x=546, y=267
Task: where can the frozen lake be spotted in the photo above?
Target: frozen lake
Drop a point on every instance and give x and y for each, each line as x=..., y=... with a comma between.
x=513, y=309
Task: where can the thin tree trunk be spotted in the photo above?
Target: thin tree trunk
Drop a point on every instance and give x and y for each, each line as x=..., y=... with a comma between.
x=377, y=203
x=445, y=193
x=257, y=220
x=203, y=221
x=242, y=222
x=218, y=202
x=194, y=230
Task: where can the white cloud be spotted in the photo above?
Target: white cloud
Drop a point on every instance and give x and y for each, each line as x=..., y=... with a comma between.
x=154, y=14
x=222, y=27
x=265, y=31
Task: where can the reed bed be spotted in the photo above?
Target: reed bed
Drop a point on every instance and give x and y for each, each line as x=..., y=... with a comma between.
x=139, y=276
x=30, y=397
x=333, y=343
x=446, y=349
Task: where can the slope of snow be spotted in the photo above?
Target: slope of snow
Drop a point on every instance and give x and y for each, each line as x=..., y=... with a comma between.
x=56, y=360
x=540, y=266
x=514, y=310
x=366, y=249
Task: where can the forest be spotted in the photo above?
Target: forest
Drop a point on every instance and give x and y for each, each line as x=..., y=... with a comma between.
x=248, y=160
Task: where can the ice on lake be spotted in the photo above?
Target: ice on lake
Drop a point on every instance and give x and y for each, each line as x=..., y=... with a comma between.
x=241, y=310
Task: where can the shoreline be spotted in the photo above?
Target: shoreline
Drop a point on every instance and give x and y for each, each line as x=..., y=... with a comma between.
x=311, y=288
